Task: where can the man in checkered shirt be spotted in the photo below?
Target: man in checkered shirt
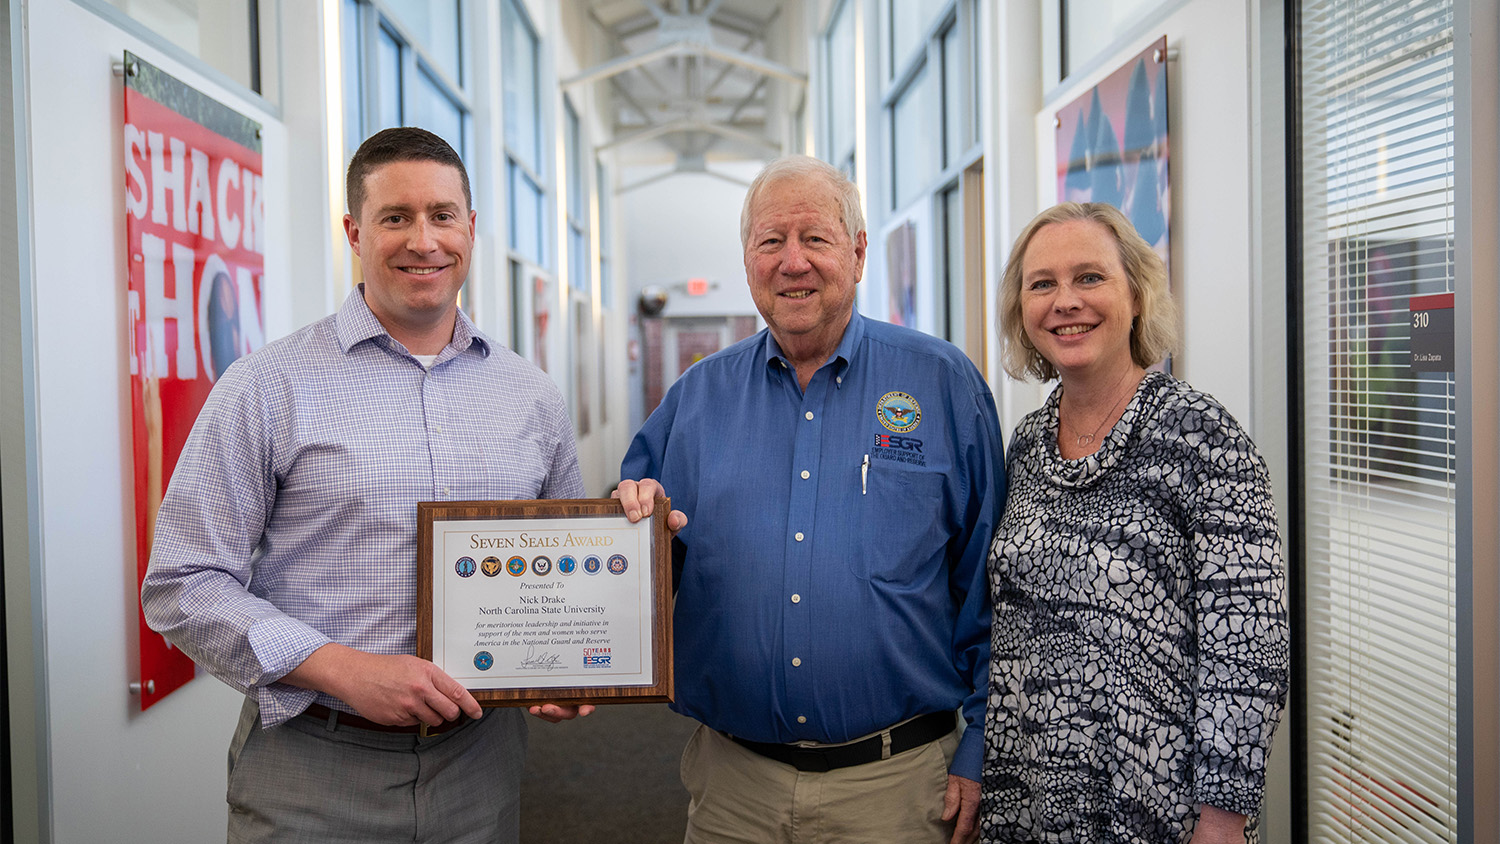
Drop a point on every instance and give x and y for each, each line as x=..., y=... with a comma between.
x=284, y=559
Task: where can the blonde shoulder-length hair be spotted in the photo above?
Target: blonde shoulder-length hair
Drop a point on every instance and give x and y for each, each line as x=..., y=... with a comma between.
x=1153, y=336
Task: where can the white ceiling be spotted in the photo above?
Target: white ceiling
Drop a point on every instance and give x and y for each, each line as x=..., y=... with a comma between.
x=693, y=82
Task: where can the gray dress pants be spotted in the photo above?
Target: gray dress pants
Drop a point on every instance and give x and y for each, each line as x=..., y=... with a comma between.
x=304, y=781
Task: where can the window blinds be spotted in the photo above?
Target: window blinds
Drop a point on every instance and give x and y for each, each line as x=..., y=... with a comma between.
x=1376, y=81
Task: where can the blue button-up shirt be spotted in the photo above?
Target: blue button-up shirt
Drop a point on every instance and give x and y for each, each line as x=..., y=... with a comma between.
x=291, y=518
x=832, y=572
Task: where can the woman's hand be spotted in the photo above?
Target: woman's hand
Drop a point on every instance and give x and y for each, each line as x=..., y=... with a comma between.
x=1216, y=826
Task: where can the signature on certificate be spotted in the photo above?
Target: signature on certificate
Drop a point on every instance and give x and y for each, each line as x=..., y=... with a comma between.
x=540, y=661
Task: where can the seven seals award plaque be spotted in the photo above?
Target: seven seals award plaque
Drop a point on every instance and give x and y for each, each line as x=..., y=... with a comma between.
x=563, y=601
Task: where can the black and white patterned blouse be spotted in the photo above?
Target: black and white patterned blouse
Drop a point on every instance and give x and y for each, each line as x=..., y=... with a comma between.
x=1140, y=638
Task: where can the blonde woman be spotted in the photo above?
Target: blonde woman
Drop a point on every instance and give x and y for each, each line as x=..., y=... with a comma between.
x=1140, y=644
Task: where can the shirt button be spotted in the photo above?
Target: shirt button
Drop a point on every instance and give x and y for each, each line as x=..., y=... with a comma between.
x=437, y=428
x=447, y=491
x=801, y=719
x=806, y=474
x=796, y=599
x=799, y=533
x=808, y=415
x=840, y=379
x=796, y=661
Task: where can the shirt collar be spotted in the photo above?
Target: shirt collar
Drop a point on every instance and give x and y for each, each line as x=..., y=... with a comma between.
x=842, y=356
x=356, y=323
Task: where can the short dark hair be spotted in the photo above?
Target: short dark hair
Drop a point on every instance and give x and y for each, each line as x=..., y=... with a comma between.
x=403, y=143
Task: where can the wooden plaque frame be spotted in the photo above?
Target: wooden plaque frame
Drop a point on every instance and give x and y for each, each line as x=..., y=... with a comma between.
x=430, y=513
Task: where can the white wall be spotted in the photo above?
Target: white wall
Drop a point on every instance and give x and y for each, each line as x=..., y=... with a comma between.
x=118, y=774
x=688, y=226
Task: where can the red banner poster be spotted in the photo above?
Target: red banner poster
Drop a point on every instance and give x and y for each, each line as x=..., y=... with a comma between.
x=195, y=227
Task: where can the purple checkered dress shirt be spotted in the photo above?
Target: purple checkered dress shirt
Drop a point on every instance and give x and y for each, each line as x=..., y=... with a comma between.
x=290, y=520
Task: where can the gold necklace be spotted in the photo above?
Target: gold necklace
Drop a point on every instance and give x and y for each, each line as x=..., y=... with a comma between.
x=1086, y=440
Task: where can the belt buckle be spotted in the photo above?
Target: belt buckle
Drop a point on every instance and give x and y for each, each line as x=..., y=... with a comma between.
x=422, y=730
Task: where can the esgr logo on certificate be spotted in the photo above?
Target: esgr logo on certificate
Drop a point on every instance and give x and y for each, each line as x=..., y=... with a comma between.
x=596, y=657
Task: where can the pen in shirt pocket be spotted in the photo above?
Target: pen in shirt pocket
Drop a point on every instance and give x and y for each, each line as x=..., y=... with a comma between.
x=864, y=476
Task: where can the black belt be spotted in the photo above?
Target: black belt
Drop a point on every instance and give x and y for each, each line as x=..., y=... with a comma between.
x=912, y=734
x=344, y=719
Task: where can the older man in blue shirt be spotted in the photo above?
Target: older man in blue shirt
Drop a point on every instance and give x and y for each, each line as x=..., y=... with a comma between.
x=842, y=478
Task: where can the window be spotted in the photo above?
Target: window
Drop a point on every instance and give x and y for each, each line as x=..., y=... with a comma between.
x=387, y=81
x=1378, y=567
x=231, y=36
x=523, y=134
x=931, y=107
x=1089, y=26
x=353, y=56
x=404, y=70
x=916, y=151
x=951, y=315
x=839, y=89
x=908, y=22
x=579, y=274
x=434, y=23
x=606, y=291
x=606, y=246
x=960, y=97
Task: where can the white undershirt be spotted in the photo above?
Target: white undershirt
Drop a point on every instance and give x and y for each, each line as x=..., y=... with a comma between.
x=426, y=360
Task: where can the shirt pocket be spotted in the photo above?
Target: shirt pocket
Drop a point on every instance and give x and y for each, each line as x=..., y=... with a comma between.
x=902, y=517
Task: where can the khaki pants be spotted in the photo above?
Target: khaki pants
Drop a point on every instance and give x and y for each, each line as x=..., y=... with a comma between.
x=740, y=796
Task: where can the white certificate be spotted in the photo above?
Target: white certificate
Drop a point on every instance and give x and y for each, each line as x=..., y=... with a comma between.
x=545, y=607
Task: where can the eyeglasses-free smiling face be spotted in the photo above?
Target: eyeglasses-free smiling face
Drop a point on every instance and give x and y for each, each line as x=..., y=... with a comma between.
x=802, y=265
x=1076, y=303
x=414, y=238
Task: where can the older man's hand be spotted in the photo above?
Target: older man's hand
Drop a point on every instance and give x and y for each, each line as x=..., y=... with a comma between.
x=639, y=499
x=961, y=805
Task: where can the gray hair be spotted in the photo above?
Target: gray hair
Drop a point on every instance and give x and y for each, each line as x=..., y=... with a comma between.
x=802, y=167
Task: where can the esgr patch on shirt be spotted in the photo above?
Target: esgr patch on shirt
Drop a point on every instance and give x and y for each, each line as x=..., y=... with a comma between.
x=904, y=449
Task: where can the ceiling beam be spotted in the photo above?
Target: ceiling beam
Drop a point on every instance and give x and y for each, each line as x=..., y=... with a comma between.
x=671, y=49
x=691, y=126
x=750, y=40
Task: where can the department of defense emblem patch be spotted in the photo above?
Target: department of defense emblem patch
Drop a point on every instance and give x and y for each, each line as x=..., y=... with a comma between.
x=592, y=565
x=516, y=566
x=464, y=567
x=566, y=565
x=483, y=660
x=898, y=412
x=541, y=566
x=617, y=564
x=490, y=566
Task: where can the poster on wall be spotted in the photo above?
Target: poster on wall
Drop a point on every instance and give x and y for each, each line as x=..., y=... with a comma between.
x=195, y=240
x=901, y=272
x=1112, y=146
x=542, y=294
